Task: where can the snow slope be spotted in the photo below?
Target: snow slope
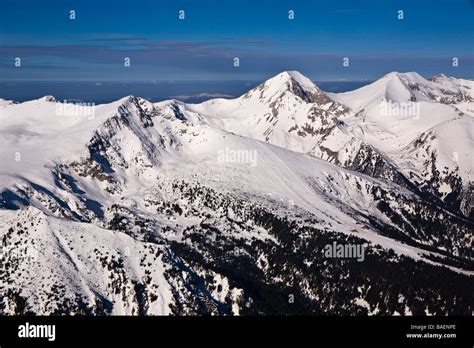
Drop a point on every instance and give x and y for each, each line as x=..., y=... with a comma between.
x=61, y=260
x=439, y=121
x=39, y=132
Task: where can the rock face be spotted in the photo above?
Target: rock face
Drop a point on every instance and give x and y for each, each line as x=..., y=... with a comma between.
x=135, y=212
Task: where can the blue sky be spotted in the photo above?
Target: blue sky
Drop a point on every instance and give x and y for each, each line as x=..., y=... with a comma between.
x=258, y=32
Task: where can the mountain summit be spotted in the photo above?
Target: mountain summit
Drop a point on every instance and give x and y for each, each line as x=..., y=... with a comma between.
x=291, y=82
x=408, y=87
x=287, y=110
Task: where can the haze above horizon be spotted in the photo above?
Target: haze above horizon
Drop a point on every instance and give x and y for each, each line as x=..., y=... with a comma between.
x=202, y=42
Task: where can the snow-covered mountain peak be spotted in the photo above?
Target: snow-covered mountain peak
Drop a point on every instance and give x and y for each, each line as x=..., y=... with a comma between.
x=403, y=87
x=133, y=100
x=292, y=76
x=411, y=76
x=439, y=77
x=296, y=76
x=287, y=110
x=290, y=84
x=48, y=98
x=174, y=109
x=408, y=87
x=440, y=88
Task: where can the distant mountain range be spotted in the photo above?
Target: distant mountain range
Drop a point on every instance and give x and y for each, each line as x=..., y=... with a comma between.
x=226, y=206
